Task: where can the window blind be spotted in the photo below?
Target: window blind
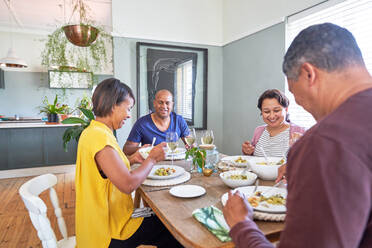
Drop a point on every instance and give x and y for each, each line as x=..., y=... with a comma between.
x=354, y=15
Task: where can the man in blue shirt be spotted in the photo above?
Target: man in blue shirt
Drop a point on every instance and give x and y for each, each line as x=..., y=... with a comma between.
x=157, y=124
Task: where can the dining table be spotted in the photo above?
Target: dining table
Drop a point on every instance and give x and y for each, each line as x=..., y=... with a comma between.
x=176, y=213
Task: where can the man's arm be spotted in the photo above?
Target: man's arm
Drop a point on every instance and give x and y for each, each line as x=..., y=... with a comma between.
x=130, y=147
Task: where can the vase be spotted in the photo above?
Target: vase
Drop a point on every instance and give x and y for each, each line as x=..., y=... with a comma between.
x=54, y=118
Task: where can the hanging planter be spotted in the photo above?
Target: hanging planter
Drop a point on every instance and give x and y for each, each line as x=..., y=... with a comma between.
x=81, y=35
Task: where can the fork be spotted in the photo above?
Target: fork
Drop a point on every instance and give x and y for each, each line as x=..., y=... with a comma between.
x=265, y=193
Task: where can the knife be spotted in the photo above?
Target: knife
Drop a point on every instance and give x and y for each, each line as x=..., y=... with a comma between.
x=158, y=189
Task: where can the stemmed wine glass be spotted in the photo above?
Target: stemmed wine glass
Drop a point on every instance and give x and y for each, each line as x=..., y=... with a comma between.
x=191, y=138
x=172, y=142
x=207, y=138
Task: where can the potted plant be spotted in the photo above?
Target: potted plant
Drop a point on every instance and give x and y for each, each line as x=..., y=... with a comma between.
x=91, y=53
x=74, y=132
x=198, y=156
x=53, y=109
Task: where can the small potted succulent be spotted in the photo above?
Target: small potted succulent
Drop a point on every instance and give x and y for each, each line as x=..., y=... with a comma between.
x=53, y=110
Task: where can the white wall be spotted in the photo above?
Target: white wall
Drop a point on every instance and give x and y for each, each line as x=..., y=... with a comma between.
x=242, y=17
x=27, y=46
x=191, y=21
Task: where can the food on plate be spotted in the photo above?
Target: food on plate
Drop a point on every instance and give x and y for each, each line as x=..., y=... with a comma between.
x=164, y=171
x=238, y=177
x=276, y=199
x=240, y=160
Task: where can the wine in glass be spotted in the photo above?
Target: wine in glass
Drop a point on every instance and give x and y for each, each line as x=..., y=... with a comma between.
x=172, y=142
x=207, y=138
x=190, y=139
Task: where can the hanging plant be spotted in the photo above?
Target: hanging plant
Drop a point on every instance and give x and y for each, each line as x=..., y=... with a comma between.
x=94, y=54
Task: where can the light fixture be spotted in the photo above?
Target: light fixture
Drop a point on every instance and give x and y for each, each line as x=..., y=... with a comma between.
x=11, y=60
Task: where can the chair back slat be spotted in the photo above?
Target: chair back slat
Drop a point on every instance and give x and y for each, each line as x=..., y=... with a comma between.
x=30, y=192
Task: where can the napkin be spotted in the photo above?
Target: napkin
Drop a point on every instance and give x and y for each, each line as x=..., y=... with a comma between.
x=212, y=218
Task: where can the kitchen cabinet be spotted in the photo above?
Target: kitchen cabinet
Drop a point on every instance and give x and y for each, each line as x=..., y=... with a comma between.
x=34, y=146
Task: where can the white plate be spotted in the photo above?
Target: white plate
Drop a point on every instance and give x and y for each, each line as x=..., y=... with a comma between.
x=178, y=154
x=263, y=206
x=187, y=191
x=232, y=160
x=179, y=171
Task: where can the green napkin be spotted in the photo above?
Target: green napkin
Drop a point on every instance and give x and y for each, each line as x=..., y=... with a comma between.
x=213, y=219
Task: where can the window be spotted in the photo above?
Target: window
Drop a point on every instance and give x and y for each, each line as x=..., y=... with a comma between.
x=355, y=15
x=184, y=90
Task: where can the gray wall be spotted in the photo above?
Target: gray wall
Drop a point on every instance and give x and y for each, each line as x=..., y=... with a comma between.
x=250, y=66
x=125, y=70
x=25, y=91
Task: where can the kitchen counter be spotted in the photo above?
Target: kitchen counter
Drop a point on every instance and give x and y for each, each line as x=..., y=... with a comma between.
x=15, y=124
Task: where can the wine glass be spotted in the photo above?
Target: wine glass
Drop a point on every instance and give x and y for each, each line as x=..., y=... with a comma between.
x=172, y=142
x=207, y=138
x=191, y=138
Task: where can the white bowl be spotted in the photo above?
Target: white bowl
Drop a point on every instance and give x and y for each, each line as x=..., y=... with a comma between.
x=234, y=183
x=265, y=171
x=145, y=151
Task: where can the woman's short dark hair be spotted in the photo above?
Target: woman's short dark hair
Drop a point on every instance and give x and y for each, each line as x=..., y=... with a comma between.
x=274, y=94
x=109, y=92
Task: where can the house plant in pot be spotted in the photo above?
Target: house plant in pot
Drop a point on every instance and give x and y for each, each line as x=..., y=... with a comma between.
x=52, y=110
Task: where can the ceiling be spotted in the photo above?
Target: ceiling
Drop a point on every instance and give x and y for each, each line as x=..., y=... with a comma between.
x=46, y=15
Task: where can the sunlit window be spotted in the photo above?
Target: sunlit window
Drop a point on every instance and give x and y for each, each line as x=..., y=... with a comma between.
x=183, y=90
x=355, y=15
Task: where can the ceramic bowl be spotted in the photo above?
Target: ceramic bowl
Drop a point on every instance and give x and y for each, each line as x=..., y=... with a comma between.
x=234, y=183
x=262, y=169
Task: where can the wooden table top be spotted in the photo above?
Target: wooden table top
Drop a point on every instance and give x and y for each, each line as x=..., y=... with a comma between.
x=176, y=213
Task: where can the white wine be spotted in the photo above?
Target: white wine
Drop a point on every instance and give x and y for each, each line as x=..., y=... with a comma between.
x=190, y=140
x=172, y=145
x=207, y=140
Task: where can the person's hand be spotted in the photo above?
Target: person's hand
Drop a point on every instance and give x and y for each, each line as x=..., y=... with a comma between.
x=157, y=153
x=247, y=148
x=294, y=137
x=282, y=173
x=237, y=209
x=136, y=158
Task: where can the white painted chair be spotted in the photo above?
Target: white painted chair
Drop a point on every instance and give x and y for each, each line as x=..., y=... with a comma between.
x=30, y=192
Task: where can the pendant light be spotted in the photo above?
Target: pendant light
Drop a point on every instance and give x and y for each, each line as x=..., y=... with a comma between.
x=11, y=60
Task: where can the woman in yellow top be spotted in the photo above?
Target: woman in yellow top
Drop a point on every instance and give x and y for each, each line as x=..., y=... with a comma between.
x=104, y=180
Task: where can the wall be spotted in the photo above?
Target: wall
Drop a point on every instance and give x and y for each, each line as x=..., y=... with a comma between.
x=125, y=70
x=192, y=21
x=250, y=66
x=25, y=91
x=242, y=17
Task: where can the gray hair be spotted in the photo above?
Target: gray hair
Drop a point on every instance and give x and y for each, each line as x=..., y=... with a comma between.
x=326, y=46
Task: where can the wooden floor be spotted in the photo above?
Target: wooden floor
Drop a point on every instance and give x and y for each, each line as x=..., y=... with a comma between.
x=16, y=229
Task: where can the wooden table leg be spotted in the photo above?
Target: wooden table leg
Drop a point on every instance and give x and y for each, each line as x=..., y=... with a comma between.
x=137, y=199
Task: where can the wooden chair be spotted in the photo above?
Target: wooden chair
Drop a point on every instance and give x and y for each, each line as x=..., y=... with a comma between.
x=30, y=192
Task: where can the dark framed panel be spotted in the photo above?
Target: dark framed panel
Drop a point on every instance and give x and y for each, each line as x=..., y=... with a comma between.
x=70, y=79
x=179, y=69
x=2, y=80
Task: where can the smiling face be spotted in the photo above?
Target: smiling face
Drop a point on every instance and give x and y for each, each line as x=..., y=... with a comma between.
x=163, y=104
x=273, y=114
x=121, y=112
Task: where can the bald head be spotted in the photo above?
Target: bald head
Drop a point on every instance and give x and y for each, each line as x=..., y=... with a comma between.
x=163, y=104
x=165, y=93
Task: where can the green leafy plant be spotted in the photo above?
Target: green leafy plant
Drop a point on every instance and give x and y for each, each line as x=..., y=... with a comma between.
x=53, y=108
x=74, y=132
x=198, y=156
x=60, y=54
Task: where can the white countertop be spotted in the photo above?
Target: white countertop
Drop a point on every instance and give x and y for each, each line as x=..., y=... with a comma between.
x=32, y=125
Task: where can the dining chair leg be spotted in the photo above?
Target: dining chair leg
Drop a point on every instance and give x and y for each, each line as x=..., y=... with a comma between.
x=137, y=199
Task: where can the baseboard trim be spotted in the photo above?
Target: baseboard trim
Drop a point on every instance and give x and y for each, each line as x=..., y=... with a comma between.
x=37, y=171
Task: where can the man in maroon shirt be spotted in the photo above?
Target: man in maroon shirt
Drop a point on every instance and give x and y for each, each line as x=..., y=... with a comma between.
x=330, y=168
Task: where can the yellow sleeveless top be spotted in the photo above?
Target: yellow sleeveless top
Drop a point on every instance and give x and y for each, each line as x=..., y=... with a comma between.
x=102, y=212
